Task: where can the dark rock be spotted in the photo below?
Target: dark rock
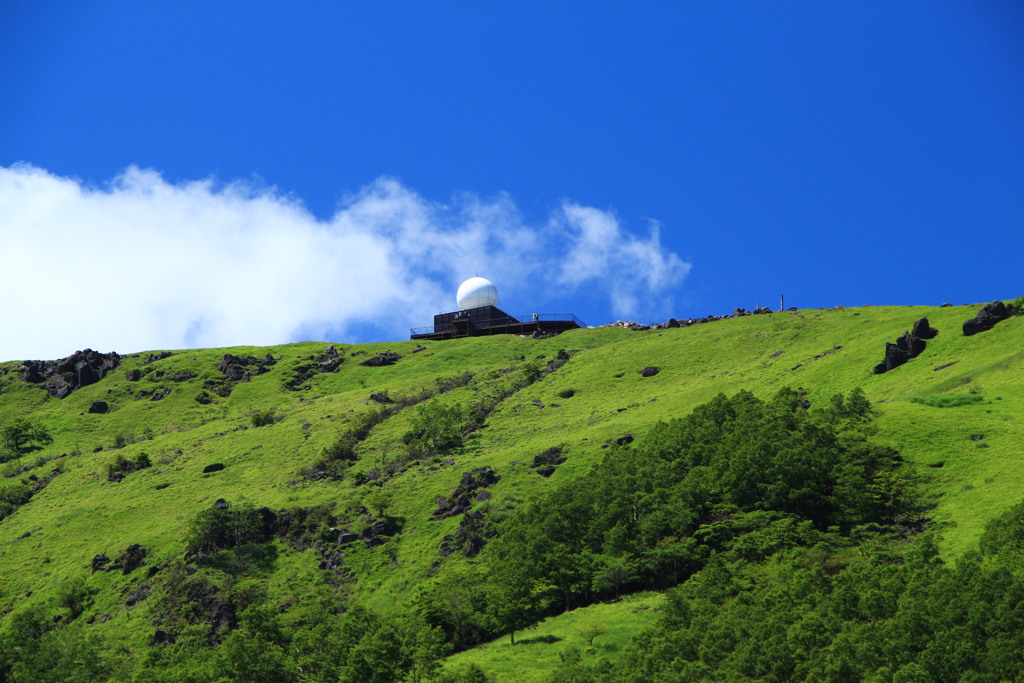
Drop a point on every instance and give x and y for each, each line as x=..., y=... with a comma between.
x=922, y=330
x=776, y=354
x=650, y=371
x=378, y=527
x=907, y=346
x=987, y=317
x=552, y=456
x=99, y=563
x=373, y=541
x=182, y=377
x=546, y=471
x=133, y=375
x=220, y=504
x=215, y=467
x=672, y=323
x=568, y=393
x=153, y=357
x=382, y=359
x=481, y=496
x=347, y=536
x=131, y=559
x=762, y=310
x=161, y=638
x=623, y=440
x=380, y=397
x=99, y=407
x=241, y=368
x=333, y=561
x=204, y=399
x=161, y=487
x=473, y=546
x=460, y=499
x=943, y=367
x=61, y=377
x=946, y=305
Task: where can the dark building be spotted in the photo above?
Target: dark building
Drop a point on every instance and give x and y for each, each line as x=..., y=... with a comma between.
x=483, y=320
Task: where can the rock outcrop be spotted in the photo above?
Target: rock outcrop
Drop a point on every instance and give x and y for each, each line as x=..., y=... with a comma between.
x=382, y=359
x=61, y=377
x=461, y=498
x=242, y=368
x=909, y=345
x=987, y=317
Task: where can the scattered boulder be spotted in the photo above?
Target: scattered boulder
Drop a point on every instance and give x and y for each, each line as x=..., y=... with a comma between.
x=460, y=499
x=382, y=359
x=546, y=471
x=131, y=559
x=623, y=440
x=99, y=408
x=220, y=504
x=182, y=377
x=333, y=561
x=99, y=563
x=133, y=375
x=649, y=371
x=215, y=467
x=328, y=361
x=987, y=317
x=160, y=637
x=568, y=393
x=380, y=397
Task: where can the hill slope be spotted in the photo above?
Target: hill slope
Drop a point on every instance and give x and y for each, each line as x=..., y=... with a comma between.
x=270, y=416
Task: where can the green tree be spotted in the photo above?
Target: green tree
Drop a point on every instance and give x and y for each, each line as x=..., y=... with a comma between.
x=21, y=436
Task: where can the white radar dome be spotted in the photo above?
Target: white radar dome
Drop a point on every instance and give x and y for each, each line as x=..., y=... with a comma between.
x=476, y=292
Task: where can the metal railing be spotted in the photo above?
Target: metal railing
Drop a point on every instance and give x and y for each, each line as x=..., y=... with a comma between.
x=503, y=321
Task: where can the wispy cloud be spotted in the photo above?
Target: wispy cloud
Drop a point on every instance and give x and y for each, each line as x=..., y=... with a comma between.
x=146, y=264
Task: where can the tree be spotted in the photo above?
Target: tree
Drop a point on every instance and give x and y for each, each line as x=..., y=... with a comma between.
x=380, y=502
x=21, y=436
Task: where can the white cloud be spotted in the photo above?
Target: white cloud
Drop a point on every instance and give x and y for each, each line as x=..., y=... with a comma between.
x=145, y=264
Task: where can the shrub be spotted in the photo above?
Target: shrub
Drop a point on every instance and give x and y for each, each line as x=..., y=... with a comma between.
x=122, y=466
x=262, y=418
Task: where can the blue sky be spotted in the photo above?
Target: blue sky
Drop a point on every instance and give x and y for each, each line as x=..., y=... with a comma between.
x=197, y=174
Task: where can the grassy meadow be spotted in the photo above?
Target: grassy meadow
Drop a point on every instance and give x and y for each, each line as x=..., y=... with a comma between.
x=955, y=413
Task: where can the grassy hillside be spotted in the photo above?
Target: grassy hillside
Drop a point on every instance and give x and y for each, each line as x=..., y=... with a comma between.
x=965, y=452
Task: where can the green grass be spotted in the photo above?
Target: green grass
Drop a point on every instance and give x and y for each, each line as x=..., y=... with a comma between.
x=599, y=631
x=81, y=514
x=948, y=400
